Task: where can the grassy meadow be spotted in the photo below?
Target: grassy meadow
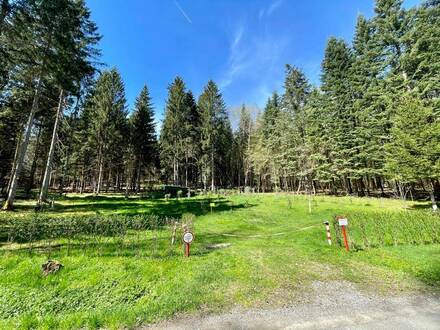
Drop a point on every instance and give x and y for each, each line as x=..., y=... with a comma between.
x=250, y=250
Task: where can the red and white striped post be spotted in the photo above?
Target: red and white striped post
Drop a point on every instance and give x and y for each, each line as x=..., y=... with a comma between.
x=329, y=236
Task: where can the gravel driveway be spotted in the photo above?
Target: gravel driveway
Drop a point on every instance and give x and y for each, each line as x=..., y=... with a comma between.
x=345, y=308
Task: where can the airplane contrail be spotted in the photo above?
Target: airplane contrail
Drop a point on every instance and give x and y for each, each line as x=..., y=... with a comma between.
x=183, y=12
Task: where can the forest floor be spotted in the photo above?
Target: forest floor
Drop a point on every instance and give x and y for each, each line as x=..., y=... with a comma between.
x=251, y=252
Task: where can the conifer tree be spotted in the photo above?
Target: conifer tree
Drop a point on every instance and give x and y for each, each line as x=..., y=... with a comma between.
x=54, y=41
x=338, y=60
x=414, y=149
x=216, y=135
x=172, y=134
x=191, y=139
x=143, y=136
x=108, y=126
x=242, y=140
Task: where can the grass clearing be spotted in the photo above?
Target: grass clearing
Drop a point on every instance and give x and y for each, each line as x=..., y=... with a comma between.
x=275, y=249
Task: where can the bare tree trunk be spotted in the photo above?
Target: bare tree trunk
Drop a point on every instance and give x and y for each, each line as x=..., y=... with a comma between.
x=212, y=171
x=138, y=178
x=101, y=165
x=27, y=131
x=204, y=177
x=127, y=182
x=30, y=183
x=23, y=148
x=186, y=169
x=47, y=172
x=174, y=171
x=81, y=187
x=432, y=195
x=14, y=163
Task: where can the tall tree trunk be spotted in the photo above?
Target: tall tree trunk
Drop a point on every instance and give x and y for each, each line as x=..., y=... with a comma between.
x=432, y=195
x=47, y=172
x=174, y=170
x=14, y=162
x=9, y=204
x=31, y=180
x=138, y=178
x=212, y=171
x=101, y=165
x=186, y=169
x=81, y=184
x=64, y=174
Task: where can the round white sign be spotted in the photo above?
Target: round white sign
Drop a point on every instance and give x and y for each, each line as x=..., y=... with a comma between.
x=188, y=237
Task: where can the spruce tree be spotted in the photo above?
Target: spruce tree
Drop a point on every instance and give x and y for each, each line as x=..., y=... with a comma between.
x=108, y=126
x=414, y=149
x=242, y=140
x=143, y=136
x=191, y=139
x=172, y=133
x=336, y=66
x=54, y=42
x=216, y=136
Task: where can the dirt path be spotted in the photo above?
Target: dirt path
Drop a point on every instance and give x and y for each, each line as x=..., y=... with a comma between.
x=345, y=308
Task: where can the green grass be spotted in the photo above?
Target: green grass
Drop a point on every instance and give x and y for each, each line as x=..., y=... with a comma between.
x=277, y=248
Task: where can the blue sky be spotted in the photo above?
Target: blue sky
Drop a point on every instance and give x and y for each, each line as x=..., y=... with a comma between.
x=241, y=44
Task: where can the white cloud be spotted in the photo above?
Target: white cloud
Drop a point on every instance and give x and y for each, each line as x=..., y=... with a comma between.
x=268, y=11
x=274, y=5
x=183, y=12
x=255, y=59
x=237, y=58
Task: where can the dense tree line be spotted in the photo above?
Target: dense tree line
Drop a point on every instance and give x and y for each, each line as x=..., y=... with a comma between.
x=372, y=126
x=374, y=122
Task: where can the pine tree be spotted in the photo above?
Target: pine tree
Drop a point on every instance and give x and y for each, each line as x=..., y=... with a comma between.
x=369, y=106
x=216, y=135
x=338, y=60
x=292, y=125
x=143, y=137
x=414, y=149
x=242, y=141
x=191, y=139
x=48, y=34
x=73, y=67
x=108, y=127
x=172, y=134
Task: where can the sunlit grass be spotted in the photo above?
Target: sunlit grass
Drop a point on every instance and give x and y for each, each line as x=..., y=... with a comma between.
x=275, y=249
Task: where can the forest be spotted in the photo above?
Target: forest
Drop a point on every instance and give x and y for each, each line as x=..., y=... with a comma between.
x=371, y=127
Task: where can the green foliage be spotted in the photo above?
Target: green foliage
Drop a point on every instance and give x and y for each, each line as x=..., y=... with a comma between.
x=216, y=135
x=143, y=129
x=414, y=149
x=377, y=229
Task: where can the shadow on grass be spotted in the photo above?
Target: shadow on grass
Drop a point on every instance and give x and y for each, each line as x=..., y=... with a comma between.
x=129, y=246
x=424, y=206
x=137, y=205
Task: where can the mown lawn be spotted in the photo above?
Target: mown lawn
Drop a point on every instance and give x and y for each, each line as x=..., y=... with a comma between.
x=275, y=249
